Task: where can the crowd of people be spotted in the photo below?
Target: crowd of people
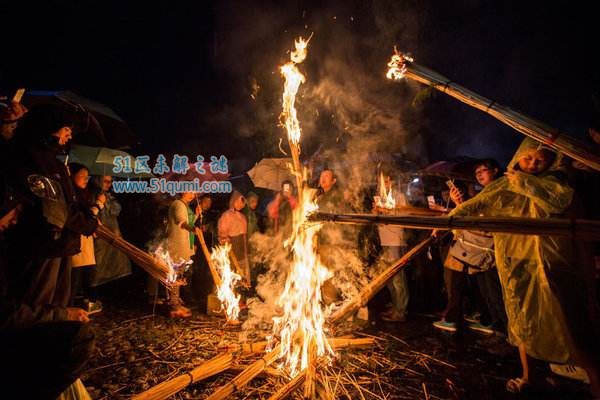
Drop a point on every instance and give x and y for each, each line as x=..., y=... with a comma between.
x=537, y=292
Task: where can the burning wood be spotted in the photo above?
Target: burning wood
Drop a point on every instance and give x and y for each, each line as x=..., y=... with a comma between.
x=402, y=66
x=577, y=228
x=230, y=301
x=168, y=388
x=155, y=267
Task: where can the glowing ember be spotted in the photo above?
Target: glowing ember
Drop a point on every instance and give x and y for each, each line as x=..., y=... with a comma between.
x=398, y=65
x=300, y=328
x=386, y=197
x=230, y=302
x=176, y=268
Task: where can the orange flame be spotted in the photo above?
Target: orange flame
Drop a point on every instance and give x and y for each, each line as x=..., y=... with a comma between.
x=386, y=196
x=175, y=267
x=293, y=80
x=230, y=302
x=300, y=328
x=397, y=65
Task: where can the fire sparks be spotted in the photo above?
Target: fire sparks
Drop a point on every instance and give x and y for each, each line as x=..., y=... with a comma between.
x=397, y=65
x=176, y=268
x=230, y=302
x=300, y=328
x=386, y=196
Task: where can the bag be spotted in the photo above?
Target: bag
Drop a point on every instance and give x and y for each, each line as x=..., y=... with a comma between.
x=476, y=249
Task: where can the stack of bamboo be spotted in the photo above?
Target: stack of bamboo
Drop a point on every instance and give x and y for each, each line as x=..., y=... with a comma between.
x=403, y=66
x=155, y=267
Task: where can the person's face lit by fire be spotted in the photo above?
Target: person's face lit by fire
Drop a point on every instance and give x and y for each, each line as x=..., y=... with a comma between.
x=327, y=180
x=106, y=183
x=536, y=161
x=485, y=175
x=239, y=203
x=81, y=178
x=206, y=203
x=187, y=197
x=7, y=129
x=64, y=134
x=253, y=203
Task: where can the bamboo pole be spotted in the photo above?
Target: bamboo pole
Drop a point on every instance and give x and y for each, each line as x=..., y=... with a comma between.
x=155, y=267
x=289, y=387
x=402, y=66
x=335, y=343
x=245, y=376
x=213, y=270
x=169, y=388
x=578, y=228
x=378, y=283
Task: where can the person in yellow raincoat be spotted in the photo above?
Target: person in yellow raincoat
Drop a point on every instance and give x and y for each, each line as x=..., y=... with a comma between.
x=544, y=286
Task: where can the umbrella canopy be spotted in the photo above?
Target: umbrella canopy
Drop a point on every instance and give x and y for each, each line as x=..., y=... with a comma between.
x=269, y=173
x=100, y=161
x=97, y=125
x=458, y=168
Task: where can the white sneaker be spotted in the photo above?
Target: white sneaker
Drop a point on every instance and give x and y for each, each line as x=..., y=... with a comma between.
x=570, y=371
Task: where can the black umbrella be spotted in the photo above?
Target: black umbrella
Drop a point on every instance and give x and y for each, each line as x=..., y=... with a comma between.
x=97, y=124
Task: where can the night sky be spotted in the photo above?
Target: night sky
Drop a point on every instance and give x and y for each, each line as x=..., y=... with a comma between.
x=182, y=73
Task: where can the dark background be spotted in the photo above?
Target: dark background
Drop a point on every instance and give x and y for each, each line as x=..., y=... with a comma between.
x=182, y=73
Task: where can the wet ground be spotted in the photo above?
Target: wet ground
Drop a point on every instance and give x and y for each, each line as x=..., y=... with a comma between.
x=139, y=347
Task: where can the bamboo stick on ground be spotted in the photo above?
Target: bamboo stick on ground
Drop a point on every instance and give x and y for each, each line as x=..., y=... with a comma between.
x=289, y=387
x=577, y=228
x=378, y=283
x=403, y=66
x=213, y=270
x=335, y=343
x=245, y=376
x=168, y=388
x=156, y=268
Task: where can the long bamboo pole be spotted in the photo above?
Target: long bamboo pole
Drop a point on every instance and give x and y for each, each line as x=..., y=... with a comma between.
x=168, y=388
x=213, y=270
x=155, y=267
x=402, y=66
x=578, y=228
x=378, y=283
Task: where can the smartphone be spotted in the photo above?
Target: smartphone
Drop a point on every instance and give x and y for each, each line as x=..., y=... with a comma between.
x=18, y=95
x=286, y=187
x=431, y=200
x=450, y=184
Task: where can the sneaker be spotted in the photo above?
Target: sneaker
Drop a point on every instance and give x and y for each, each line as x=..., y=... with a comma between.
x=481, y=328
x=94, y=307
x=473, y=318
x=445, y=326
x=570, y=371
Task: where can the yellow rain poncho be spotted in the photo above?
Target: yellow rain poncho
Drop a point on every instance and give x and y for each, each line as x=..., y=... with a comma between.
x=528, y=265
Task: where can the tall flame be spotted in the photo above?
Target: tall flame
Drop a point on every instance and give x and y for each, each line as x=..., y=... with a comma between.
x=300, y=328
x=293, y=80
x=386, y=196
x=397, y=65
x=230, y=302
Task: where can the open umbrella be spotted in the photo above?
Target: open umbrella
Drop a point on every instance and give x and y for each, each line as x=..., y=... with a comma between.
x=100, y=161
x=269, y=173
x=97, y=124
x=458, y=168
